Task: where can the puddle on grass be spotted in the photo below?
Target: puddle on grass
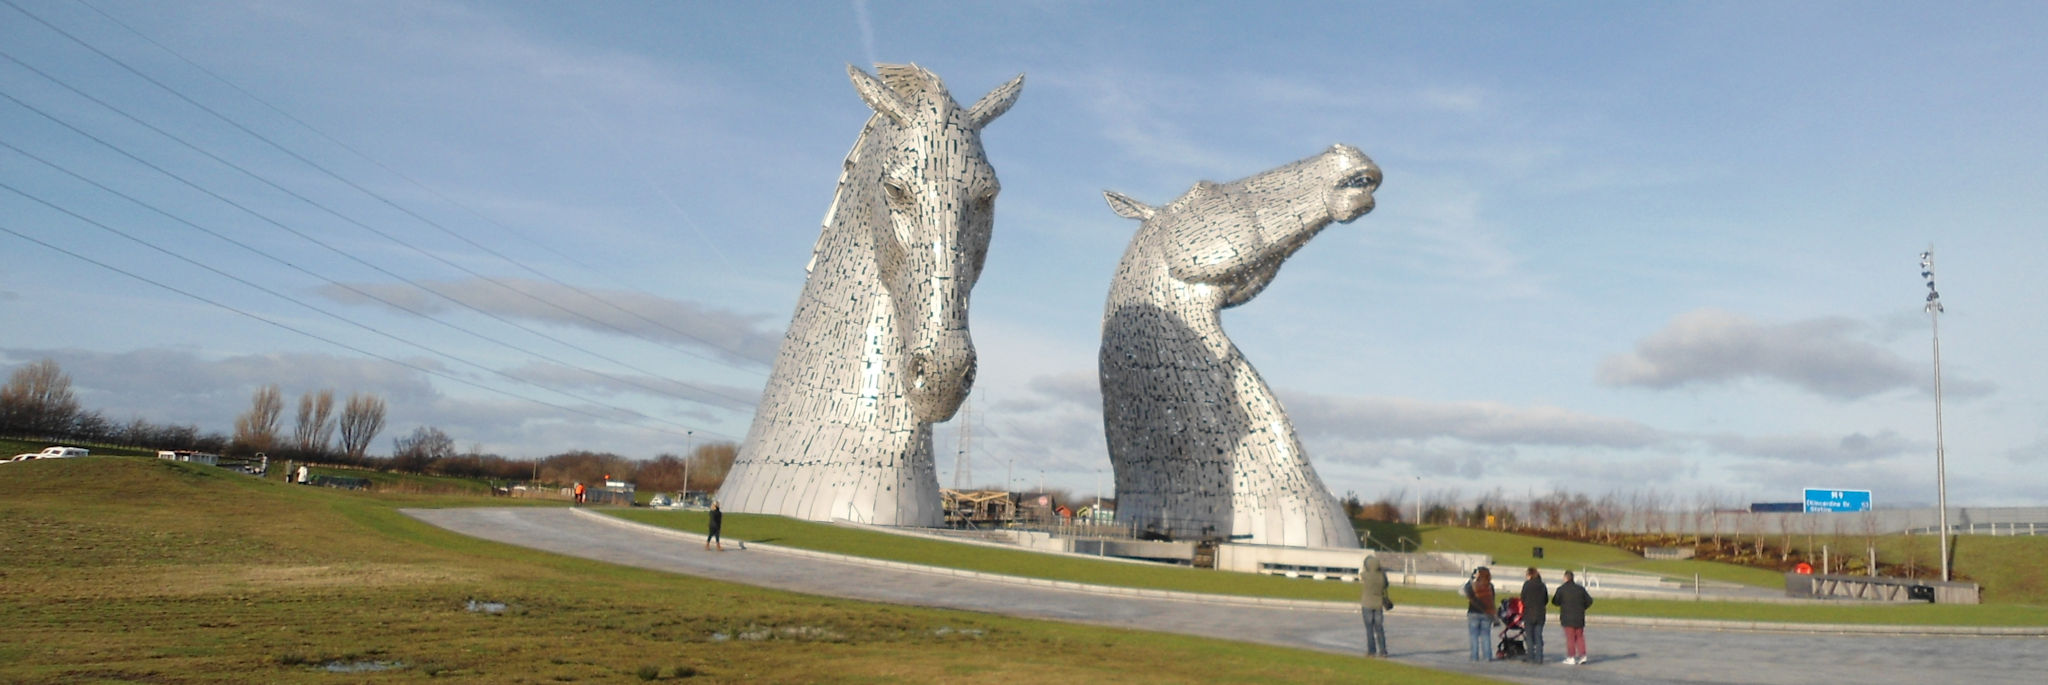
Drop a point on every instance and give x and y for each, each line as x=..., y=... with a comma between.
x=486, y=607
x=362, y=666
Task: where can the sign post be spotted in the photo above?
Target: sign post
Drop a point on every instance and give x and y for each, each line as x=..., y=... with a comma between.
x=1833, y=500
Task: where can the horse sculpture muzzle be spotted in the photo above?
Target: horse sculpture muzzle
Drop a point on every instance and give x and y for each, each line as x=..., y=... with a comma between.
x=939, y=380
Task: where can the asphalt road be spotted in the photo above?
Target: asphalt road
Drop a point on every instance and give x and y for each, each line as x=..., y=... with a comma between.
x=1620, y=654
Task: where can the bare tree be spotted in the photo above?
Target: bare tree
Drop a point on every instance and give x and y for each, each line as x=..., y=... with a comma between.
x=315, y=427
x=709, y=463
x=37, y=400
x=256, y=429
x=663, y=474
x=361, y=420
x=1785, y=537
x=414, y=453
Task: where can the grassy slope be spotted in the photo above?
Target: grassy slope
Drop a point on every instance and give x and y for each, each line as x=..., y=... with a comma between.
x=842, y=540
x=2012, y=570
x=135, y=569
x=10, y=447
x=1513, y=550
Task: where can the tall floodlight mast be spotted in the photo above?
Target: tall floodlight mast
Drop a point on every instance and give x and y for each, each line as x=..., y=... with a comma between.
x=1940, y=459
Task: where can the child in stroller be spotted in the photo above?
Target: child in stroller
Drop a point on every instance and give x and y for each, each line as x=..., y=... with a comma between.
x=1510, y=629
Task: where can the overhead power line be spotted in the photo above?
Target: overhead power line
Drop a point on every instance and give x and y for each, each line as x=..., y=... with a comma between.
x=5, y=229
x=267, y=290
x=388, y=202
x=323, y=244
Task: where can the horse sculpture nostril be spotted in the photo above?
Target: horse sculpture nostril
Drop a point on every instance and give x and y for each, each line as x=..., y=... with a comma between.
x=915, y=369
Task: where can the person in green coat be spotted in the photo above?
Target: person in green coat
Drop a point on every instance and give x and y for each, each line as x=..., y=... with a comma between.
x=1374, y=603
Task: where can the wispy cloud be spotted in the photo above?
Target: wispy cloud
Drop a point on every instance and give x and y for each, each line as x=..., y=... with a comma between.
x=1130, y=111
x=610, y=385
x=863, y=21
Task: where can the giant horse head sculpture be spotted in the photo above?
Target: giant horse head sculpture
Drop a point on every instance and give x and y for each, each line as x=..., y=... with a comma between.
x=1198, y=440
x=931, y=206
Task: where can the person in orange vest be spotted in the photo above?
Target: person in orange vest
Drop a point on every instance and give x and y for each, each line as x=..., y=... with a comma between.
x=579, y=492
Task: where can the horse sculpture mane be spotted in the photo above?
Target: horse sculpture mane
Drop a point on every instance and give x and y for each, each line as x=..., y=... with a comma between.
x=878, y=348
x=1199, y=443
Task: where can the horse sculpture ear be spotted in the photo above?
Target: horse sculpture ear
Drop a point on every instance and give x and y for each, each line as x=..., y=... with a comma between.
x=995, y=103
x=878, y=95
x=1126, y=207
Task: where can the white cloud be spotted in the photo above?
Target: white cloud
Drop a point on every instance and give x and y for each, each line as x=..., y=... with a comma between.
x=1825, y=356
x=730, y=336
x=1811, y=449
x=2032, y=453
x=1490, y=423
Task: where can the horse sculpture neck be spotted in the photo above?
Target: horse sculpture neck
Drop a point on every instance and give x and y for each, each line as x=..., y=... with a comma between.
x=878, y=347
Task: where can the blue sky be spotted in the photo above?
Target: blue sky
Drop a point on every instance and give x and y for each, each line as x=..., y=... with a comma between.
x=1620, y=246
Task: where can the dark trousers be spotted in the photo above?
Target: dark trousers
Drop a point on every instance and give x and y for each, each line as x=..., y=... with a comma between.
x=1532, y=637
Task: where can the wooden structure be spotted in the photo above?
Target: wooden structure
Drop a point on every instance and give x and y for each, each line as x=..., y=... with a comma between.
x=978, y=506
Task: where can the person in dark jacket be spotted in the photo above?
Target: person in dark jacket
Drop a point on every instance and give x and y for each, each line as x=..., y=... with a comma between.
x=717, y=521
x=1535, y=607
x=1572, y=602
x=1374, y=603
x=1480, y=613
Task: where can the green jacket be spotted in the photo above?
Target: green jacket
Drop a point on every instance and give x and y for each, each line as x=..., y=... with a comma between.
x=1374, y=578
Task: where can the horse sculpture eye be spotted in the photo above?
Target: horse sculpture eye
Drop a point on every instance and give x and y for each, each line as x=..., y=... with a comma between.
x=899, y=197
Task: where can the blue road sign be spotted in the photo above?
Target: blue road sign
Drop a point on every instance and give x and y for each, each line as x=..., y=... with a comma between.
x=1827, y=499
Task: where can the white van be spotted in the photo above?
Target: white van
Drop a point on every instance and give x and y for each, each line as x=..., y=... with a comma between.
x=54, y=453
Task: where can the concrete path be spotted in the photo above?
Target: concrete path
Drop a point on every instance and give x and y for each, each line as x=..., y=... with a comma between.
x=1621, y=654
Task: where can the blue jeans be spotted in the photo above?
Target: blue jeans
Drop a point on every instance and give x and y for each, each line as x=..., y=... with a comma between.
x=1375, y=632
x=1532, y=637
x=1482, y=636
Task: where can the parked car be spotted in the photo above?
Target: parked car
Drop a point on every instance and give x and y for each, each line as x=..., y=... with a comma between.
x=53, y=453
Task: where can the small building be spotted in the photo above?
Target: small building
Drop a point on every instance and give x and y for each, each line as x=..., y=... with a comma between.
x=189, y=455
x=1038, y=506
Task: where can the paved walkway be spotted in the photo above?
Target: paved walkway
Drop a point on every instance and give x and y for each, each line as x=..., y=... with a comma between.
x=1622, y=654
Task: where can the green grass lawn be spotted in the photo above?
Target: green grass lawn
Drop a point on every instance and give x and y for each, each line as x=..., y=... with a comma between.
x=857, y=542
x=142, y=570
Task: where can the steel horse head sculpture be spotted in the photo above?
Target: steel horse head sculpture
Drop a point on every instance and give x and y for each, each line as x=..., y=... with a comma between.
x=878, y=349
x=1199, y=443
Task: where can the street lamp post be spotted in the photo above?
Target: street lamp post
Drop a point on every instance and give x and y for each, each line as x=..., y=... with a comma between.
x=1418, y=505
x=1934, y=311
x=689, y=443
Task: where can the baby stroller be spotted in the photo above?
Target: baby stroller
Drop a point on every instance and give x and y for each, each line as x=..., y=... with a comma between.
x=1511, y=630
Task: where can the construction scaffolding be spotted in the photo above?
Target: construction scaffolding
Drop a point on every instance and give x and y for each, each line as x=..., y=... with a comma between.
x=978, y=507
